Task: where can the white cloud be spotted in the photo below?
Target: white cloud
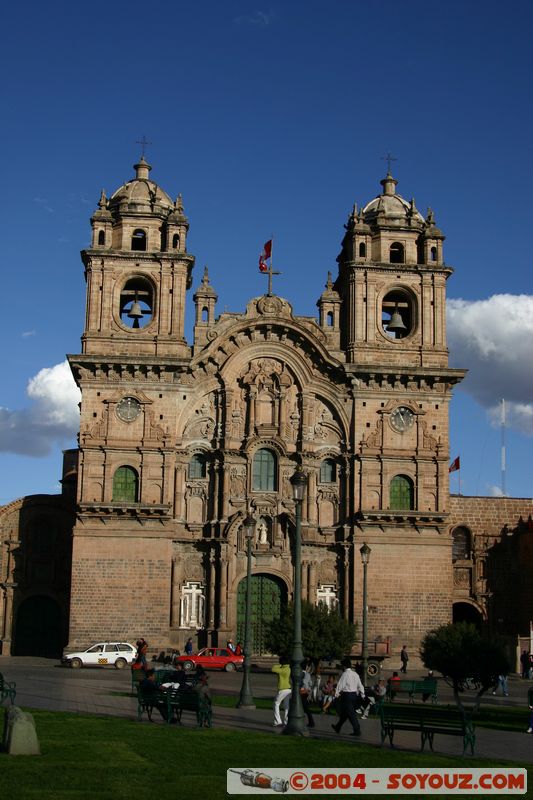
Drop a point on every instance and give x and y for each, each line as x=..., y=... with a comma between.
x=493, y=339
x=27, y=334
x=255, y=18
x=496, y=491
x=43, y=202
x=51, y=420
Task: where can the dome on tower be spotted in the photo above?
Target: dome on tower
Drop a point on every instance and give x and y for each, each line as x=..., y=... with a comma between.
x=390, y=208
x=141, y=194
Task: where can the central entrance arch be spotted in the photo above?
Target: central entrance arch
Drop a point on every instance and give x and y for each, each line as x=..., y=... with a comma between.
x=269, y=601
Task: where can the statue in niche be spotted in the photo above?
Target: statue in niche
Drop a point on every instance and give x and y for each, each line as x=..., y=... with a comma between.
x=262, y=532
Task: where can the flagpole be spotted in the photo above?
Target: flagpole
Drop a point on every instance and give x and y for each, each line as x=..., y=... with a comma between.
x=459, y=476
x=270, y=268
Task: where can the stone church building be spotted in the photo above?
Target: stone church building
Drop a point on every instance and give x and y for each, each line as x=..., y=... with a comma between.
x=179, y=441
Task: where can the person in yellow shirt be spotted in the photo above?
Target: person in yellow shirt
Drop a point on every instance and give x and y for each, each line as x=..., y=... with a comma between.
x=281, y=700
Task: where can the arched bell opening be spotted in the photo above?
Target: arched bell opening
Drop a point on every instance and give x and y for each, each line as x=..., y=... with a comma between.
x=397, y=314
x=136, y=303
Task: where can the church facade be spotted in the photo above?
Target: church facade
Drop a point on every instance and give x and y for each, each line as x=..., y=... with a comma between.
x=179, y=442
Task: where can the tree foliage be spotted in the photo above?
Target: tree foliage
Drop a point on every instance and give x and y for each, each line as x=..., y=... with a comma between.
x=464, y=657
x=324, y=633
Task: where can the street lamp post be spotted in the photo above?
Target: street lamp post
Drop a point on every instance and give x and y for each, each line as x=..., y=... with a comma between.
x=295, y=721
x=246, y=699
x=365, y=557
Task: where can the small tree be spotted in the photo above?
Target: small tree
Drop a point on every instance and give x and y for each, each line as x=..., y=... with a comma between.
x=324, y=633
x=463, y=655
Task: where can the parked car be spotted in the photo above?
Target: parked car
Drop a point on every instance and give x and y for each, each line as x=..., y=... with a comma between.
x=211, y=658
x=116, y=654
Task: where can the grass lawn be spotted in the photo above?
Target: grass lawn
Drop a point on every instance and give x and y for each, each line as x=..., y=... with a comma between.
x=109, y=758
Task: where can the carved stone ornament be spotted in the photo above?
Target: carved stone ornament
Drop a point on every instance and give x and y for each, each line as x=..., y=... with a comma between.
x=269, y=305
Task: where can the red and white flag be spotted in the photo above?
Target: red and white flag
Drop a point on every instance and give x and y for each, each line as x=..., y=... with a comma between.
x=265, y=255
x=455, y=465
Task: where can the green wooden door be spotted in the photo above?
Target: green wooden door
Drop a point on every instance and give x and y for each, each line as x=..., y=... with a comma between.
x=269, y=600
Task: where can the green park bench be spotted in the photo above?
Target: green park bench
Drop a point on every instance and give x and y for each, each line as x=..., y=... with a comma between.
x=7, y=690
x=427, y=721
x=426, y=686
x=177, y=701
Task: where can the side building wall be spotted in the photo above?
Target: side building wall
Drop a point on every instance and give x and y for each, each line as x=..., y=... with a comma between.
x=121, y=587
x=502, y=531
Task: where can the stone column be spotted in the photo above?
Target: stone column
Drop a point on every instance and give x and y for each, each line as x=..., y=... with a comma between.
x=312, y=582
x=8, y=618
x=252, y=394
x=282, y=419
x=212, y=587
x=223, y=590
x=179, y=488
x=311, y=498
x=225, y=491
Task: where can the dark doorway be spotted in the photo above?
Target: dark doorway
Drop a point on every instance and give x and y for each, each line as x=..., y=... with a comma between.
x=39, y=629
x=465, y=612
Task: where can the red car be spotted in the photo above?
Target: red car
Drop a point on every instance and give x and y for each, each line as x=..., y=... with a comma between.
x=212, y=658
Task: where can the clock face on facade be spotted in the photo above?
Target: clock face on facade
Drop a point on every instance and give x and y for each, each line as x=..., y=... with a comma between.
x=402, y=419
x=128, y=409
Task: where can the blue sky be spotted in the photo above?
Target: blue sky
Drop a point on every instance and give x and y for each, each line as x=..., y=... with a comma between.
x=269, y=119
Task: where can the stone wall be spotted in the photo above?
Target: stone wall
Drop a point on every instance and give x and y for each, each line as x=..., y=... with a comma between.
x=121, y=588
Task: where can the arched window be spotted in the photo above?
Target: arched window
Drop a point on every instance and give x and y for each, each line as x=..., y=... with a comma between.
x=175, y=241
x=125, y=485
x=264, y=471
x=101, y=237
x=138, y=239
x=328, y=471
x=461, y=544
x=197, y=466
x=205, y=315
x=329, y=319
x=397, y=314
x=433, y=253
x=402, y=493
x=136, y=303
x=362, y=250
x=397, y=253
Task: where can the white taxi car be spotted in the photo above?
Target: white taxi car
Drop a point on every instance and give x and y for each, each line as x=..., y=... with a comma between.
x=116, y=654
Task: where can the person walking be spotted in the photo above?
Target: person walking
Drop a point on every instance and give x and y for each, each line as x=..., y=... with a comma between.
x=188, y=647
x=349, y=689
x=502, y=684
x=305, y=694
x=281, y=700
x=404, y=658
x=524, y=663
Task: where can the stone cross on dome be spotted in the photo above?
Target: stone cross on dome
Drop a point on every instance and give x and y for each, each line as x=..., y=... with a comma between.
x=388, y=158
x=143, y=142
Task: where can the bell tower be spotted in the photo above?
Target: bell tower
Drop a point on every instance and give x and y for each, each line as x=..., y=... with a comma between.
x=137, y=272
x=392, y=283
x=392, y=278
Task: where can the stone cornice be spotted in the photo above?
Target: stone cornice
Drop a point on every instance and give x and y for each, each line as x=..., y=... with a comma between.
x=369, y=377
x=109, y=512
x=401, y=517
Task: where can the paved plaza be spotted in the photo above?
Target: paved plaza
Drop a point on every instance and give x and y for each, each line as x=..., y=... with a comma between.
x=44, y=684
